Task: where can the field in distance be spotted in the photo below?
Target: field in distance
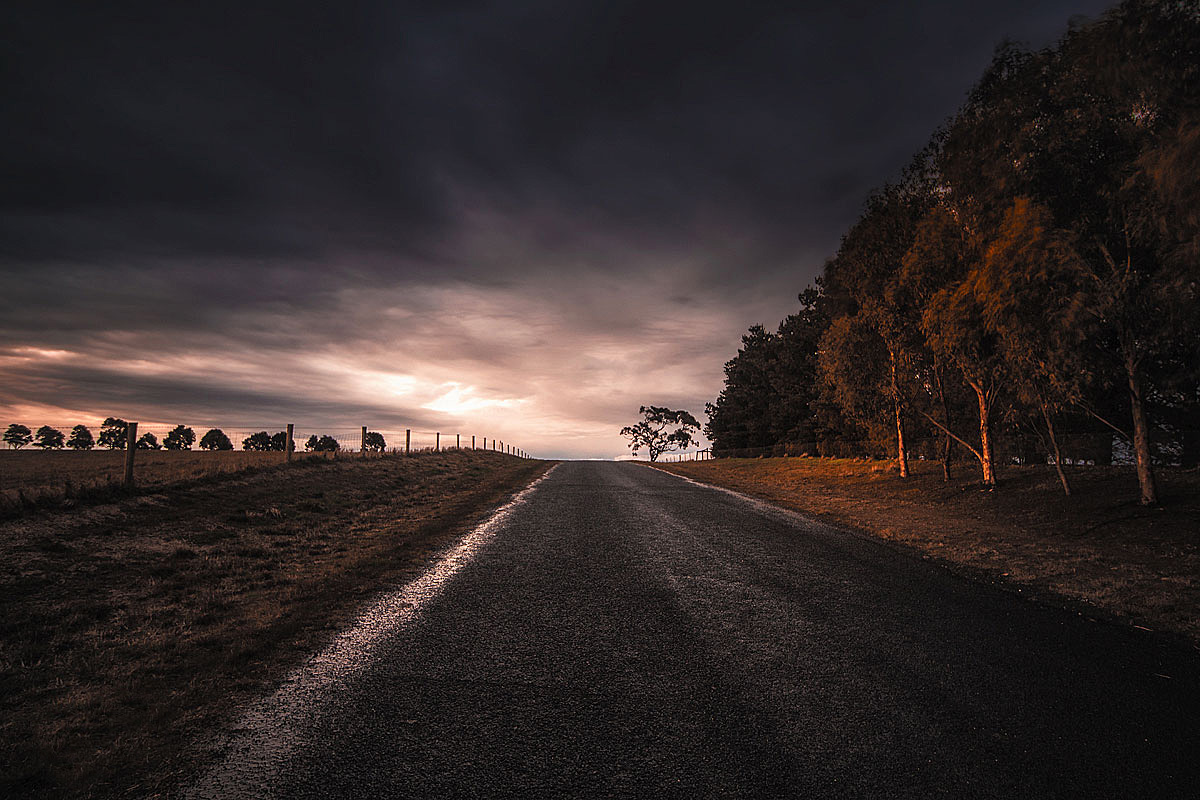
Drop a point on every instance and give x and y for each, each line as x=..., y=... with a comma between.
x=56, y=473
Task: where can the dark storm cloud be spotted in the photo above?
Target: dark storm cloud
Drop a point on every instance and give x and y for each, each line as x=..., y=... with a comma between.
x=428, y=211
x=155, y=131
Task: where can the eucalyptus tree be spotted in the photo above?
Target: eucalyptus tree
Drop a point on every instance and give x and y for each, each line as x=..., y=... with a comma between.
x=876, y=319
x=1117, y=93
x=1029, y=286
x=771, y=385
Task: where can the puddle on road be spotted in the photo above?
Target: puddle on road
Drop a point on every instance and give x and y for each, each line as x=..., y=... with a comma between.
x=271, y=731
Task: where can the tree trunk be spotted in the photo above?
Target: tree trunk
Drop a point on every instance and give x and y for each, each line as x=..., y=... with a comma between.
x=1141, y=436
x=901, y=449
x=1062, y=477
x=948, y=443
x=987, y=460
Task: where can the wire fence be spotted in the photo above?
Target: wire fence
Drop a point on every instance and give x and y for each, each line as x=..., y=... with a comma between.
x=128, y=452
x=690, y=455
x=1179, y=448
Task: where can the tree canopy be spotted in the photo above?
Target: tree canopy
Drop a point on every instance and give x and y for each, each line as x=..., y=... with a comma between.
x=180, y=438
x=112, y=433
x=215, y=439
x=81, y=438
x=17, y=436
x=653, y=433
x=48, y=438
x=1036, y=268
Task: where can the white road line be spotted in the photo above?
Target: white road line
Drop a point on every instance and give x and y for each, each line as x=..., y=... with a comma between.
x=271, y=731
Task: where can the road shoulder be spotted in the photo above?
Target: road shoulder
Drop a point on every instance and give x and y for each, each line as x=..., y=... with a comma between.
x=1092, y=554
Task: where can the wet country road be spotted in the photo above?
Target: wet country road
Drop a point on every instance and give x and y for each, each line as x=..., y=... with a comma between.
x=626, y=633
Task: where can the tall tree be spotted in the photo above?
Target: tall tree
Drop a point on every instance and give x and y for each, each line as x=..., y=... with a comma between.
x=81, y=438
x=180, y=438
x=771, y=385
x=17, y=436
x=867, y=269
x=215, y=439
x=1029, y=286
x=112, y=433
x=940, y=266
x=48, y=438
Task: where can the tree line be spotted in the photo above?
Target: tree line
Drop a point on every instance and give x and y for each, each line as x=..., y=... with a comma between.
x=1035, y=268
x=114, y=432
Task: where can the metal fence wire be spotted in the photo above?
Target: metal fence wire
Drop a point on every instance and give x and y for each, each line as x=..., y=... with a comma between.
x=149, y=444
x=1180, y=448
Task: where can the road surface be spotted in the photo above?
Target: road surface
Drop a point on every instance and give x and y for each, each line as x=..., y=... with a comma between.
x=621, y=632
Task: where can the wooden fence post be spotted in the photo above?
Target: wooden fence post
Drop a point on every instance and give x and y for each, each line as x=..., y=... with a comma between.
x=407, y=441
x=289, y=446
x=362, y=448
x=458, y=441
x=472, y=441
x=130, y=449
x=437, y=442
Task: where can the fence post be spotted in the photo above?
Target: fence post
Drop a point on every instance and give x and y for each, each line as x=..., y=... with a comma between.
x=407, y=441
x=437, y=442
x=130, y=449
x=493, y=445
x=472, y=441
x=290, y=445
x=458, y=441
x=362, y=448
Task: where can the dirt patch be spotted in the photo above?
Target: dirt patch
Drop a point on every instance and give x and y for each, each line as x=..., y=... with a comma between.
x=130, y=630
x=1097, y=547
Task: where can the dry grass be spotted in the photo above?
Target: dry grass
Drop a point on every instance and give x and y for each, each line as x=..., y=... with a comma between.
x=131, y=629
x=1097, y=546
x=49, y=475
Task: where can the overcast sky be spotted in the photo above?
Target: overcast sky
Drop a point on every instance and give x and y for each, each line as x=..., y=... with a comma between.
x=518, y=220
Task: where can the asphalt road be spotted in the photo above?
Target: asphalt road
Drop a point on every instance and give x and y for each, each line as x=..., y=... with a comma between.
x=625, y=633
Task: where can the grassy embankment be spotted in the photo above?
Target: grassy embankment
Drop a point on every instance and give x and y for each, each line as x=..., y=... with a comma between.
x=45, y=478
x=131, y=630
x=1098, y=546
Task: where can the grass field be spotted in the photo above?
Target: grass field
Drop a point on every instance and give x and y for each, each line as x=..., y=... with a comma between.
x=41, y=472
x=47, y=478
x=1097, y=547
x=132, y=630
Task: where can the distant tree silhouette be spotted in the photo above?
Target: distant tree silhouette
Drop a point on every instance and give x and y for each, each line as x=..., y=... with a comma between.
x=81, y=438
x=48, y=438
x=215, y=439
x=323, y=444
x=374, y=442
x=112, y=433
x=148, y=441
x=653, y=435
x=17, y=436
x=257, y=441
x=279, y=441
x=180, y=438
x=771, y=385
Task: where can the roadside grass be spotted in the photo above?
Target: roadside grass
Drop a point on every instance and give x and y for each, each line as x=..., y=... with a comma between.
x=132, y=630
x=41, y=478
x=1097, y=547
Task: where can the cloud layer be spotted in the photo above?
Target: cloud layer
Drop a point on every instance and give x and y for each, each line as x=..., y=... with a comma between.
x=520, y=220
